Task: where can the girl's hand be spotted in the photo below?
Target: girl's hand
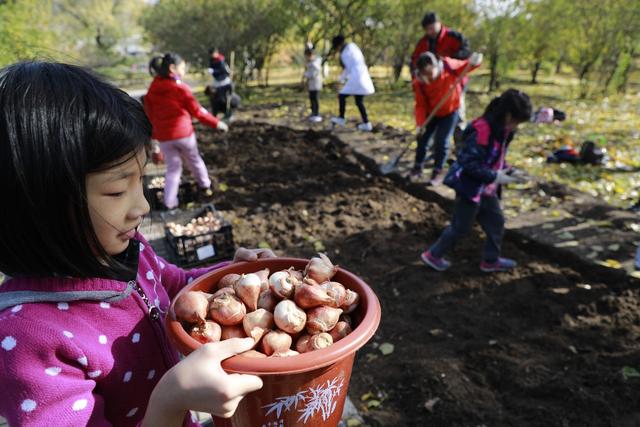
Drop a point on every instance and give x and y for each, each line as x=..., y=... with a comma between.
x=222, y=126
x=244, y=254
x=199, y=383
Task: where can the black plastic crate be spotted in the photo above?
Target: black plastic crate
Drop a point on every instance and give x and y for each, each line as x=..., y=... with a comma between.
x=154, y=191
x=203, y=246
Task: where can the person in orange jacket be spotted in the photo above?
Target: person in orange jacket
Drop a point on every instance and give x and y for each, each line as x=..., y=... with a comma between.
x=434, y=79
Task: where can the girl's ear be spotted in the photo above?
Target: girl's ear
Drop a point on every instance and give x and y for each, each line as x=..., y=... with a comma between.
x=173, y=69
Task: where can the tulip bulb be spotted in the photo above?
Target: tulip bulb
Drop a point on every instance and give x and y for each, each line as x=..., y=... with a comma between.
x=320, y=268
x=308, y=342
x=264, y=279
x=341, y=330
x=228, y=280
x=276, y=342
x=309, y=296
x=227, y=309
x=257, y=323
x=267, y=300
x=322, y=319
x=247, y=288
x=351, y=301
x=281, y=284
x=192, y=307
x=336, y=291
x=233, y=331
x=207, y=332
x=289, y=317
x=287, y=353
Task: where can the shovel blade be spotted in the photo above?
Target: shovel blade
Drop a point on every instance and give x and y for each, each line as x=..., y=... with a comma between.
x=388, y=167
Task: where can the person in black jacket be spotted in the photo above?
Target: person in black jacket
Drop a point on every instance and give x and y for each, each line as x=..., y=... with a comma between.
x=221, y=90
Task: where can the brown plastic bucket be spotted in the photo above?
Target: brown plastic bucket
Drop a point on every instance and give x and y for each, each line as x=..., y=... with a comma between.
x=305, y=390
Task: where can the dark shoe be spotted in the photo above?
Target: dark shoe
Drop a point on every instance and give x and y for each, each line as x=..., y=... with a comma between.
x=415, y=173
x=502, y=264
x=205, y=194
x=438, y=264
x=436, y=177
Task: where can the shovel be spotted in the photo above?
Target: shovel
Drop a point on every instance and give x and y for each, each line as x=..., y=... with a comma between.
x=390, y=166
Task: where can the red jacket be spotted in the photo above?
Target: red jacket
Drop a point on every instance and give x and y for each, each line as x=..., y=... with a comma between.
x=427, y=95
x=449, y=44
x=169, y=104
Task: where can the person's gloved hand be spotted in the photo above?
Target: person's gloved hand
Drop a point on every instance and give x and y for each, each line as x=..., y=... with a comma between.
x=222, y=126
x=518, y=174
x=476, y=59
x=503, y=177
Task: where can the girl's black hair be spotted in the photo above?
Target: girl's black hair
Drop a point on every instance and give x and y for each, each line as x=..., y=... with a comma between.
x=426, y=58
x=337, y=41
x=159, y=65
x=513, y=102
x=58, y=123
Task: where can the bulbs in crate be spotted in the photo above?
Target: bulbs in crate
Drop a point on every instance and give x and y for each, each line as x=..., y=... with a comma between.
x=201, y=225
x=157, y=182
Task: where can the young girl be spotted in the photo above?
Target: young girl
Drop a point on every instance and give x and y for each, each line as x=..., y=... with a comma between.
x=313, y=76
x=82, y=335
x=358, y=82
x=477, y=177
x=437, y=84
x=169, y=104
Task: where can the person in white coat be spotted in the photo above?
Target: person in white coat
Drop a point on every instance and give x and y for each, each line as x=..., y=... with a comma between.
x=313, y=77
x=357, y=80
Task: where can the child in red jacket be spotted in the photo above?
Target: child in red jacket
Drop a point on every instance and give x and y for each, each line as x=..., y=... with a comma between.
x=169, y=104
x=437, y=80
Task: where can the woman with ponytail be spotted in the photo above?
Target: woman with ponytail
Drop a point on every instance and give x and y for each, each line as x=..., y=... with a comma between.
x=477, y=177
x=170, y=105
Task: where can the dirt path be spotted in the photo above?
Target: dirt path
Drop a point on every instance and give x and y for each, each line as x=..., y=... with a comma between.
x=544, y=345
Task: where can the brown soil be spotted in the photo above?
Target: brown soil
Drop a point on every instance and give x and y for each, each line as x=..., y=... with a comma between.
x=532, y=347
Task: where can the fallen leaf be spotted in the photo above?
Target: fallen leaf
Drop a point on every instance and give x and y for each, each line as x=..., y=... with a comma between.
x=373, y=404
x=584, y=286
x=493, y=342
x=368, y=395
x=548, y=226
x=353, y=422
x=597, y=248
x=573, y=349
x=386, y=348
x=611, y=263
x=371, y=357
x=613, y=247
x=565, y=236
x=264, y=245
x=629, y=372
x=318, y=246
x=635, y=274
x=223, y=187
x=569, y=244
x=560, y=291
x=429, y=404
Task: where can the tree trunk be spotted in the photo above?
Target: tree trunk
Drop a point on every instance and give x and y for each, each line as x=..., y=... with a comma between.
x=397, y=71
x=493, y=79
x=559, y=64
x=612, y=72
x=626, y=71
x=534, y=72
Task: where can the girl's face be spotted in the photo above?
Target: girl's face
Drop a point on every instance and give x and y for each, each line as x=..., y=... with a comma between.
x=429, y=73
x=116, y=203
x=179, y=69
x=509, y=123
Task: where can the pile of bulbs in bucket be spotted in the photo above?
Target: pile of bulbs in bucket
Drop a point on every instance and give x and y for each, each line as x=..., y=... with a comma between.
x=201, y=225
x=277, y=310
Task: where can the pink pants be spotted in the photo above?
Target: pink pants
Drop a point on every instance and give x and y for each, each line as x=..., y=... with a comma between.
x=174, y=152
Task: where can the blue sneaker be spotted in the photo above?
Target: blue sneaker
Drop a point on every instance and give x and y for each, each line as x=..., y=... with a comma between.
x=438, y=264
x=502, y=264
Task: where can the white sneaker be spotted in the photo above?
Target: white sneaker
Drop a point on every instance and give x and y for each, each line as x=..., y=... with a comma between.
x=338, y=121
x=366, y=127
x=315, y=119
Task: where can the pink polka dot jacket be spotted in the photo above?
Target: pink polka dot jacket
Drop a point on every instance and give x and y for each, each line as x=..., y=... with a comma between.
x=76, y=352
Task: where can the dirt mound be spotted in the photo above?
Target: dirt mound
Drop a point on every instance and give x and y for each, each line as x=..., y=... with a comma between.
x=543, y=345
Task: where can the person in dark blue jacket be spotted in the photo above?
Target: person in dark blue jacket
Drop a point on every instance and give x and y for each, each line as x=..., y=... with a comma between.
x=477, y=177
